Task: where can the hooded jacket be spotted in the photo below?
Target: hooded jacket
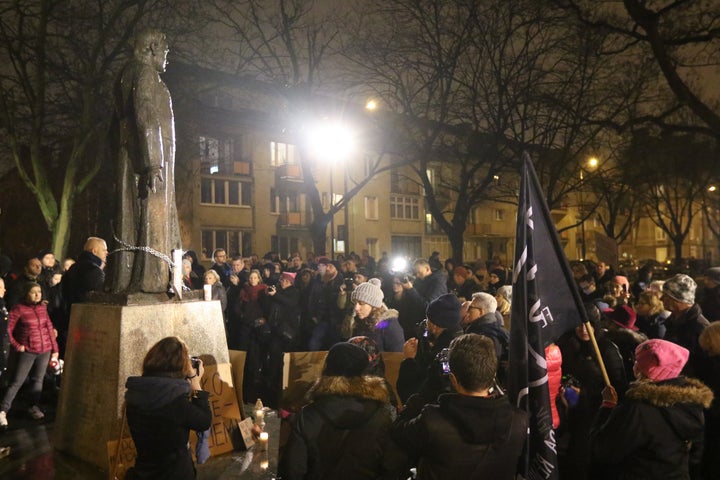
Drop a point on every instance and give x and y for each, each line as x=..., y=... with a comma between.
x=342, y=433
x=387, y=332
x=657, y=432
x=464, y=437
x=160, y=414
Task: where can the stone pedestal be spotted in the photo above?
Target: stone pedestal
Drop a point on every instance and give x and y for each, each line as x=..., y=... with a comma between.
x=106, y=344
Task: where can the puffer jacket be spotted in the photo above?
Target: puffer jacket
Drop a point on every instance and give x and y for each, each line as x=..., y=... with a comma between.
x=657, y=432
x=30, y=326
x=342, y=434
x=464, y=437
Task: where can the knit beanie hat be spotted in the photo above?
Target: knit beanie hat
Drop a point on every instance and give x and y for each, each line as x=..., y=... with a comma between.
x=345, y=360
x=500, y=272
x=680, y=287
x=713, y=274
x=288, y=276
x=623, y=316
x=660, y=360
x=369, y=292
x=444, y=311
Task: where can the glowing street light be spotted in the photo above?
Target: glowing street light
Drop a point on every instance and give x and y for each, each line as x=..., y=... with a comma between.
x=371, y=105
x=332, y=142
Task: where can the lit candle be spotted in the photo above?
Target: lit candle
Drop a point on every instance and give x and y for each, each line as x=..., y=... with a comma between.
x=264, y=464
x=177, y=271
x=263, y=445
x=207, y=290
x=259, y=417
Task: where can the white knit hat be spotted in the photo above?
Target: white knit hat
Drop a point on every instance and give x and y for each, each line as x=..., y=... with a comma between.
x=369, y=292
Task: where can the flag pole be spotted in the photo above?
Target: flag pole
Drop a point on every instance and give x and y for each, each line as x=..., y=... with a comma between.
x=591, y=332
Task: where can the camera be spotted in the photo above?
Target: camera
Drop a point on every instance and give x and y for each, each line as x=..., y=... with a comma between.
x=195, y=362
x=444, y=361
x=349, y=284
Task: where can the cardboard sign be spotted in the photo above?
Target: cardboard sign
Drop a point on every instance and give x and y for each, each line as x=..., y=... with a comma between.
x=246, y=432
x=126, y=457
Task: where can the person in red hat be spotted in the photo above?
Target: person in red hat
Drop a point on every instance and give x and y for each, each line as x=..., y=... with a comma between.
x=657, y=430
x=621, y=330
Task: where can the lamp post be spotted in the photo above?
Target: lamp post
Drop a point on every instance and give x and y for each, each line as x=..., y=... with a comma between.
x=330, y=142
x=592, y=164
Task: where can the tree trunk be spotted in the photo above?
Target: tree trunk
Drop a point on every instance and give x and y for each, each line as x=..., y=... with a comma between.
x=457, y=242
x=318, y=232
x=678, y=243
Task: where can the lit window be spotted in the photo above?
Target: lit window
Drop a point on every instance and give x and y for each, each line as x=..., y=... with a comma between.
x=217, y=191
x=371, y=208
x=406, y=208
x=282, y=154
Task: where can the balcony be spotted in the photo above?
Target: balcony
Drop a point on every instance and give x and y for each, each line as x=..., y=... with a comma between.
x=478, y=229
x=242, y=168
x=291, y=173
x=291, y=220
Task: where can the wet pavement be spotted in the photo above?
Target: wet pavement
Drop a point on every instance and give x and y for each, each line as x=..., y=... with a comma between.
x=33, y=457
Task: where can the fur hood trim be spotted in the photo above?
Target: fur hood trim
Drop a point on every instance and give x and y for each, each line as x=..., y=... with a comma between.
x=365, y=387
x=672, y=392
x=388, y=313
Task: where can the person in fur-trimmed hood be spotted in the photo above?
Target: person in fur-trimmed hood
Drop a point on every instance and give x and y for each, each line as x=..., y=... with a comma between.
x=344, y=431
x=657, y=431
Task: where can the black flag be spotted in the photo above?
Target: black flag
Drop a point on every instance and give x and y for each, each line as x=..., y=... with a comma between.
x=545, y=305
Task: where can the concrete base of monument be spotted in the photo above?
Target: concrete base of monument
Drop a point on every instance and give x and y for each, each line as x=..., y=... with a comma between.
x=106, y=344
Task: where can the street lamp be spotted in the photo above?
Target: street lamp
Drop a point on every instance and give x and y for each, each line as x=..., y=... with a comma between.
x=331, y=142
x=591, y=164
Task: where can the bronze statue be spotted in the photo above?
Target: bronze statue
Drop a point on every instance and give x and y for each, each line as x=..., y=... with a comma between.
x=146, y=222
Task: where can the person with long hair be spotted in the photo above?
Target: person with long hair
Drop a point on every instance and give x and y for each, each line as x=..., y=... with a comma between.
x=651, y=314
x=374, y=320
x=163, y=405
x=32, y=337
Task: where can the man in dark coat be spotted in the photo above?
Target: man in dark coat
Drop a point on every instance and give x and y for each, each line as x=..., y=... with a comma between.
x=344, y=431
x=426, y=287
x=419, y=370
x=686, y=321
x=484, y=322
x=710, y=303
x=471, y=434
x=86, y=275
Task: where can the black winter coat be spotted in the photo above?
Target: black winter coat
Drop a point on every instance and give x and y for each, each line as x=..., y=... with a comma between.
x=342, y=434
x=685, y=329
x=464, y=437
x=657, y=432
x=83, y=277
x=160, y=415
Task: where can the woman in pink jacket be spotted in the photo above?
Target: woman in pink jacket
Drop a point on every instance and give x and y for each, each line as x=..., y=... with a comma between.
x=33, y=339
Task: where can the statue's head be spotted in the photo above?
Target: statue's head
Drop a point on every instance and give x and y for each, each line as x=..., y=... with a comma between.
x=151, y=48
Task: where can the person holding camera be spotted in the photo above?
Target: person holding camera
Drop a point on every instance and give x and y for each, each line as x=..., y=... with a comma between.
x=418, y=370
x=284, y=321
x=472, y=433
x=163, y=405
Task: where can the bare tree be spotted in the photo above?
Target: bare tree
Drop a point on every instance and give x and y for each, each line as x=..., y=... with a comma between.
x=477, y=83
x=60, y=58
x=681, y=38
x=674, y=173
x=292, y=45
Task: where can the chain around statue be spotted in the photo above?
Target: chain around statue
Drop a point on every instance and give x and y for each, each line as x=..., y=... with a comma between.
x=131, y=248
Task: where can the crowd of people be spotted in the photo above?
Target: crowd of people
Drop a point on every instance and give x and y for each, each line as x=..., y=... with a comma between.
x=660, y=346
